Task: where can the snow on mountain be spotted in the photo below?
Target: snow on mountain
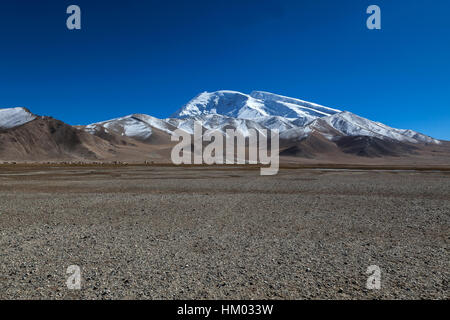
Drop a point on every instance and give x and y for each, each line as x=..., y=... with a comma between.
x=217, y=122
x=418, y=136
x=291, y=107
x=227, y=103
x=293, y=118
x=14, y=117
x=352, y=125
x=136, y=126
x=155, y=123
x=297, y=133
x=276, y=123
x=139, y=126
x=257, y=105
x=128, y=126
x=282, y=113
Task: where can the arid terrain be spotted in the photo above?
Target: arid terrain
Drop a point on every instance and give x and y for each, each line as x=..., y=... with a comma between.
x=163, y=232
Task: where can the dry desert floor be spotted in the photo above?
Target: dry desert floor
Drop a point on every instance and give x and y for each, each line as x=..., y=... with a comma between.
x=148, y=232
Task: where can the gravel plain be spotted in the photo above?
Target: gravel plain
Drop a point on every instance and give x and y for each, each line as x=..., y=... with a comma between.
x=145, y=232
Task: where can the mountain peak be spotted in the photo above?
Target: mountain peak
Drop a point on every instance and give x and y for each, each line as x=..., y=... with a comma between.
x=258, y=104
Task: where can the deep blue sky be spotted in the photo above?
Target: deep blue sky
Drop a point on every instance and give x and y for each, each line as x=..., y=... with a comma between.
x=153, y=56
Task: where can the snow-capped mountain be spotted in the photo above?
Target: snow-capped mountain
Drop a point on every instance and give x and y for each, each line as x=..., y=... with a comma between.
x=136, y=126
x=307, y=130
x=295, y=119
x=14, y=117
x=257, y=105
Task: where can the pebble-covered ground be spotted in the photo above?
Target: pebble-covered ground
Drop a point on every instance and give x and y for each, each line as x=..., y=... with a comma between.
x=196, y=233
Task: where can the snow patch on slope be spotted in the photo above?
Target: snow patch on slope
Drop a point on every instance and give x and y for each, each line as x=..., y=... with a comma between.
x=155, y=122
x=13, y=117
x=353, y=125
x=126, y=126
x=217, y=122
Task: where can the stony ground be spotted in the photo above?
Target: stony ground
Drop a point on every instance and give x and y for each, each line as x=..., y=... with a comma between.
x=179, y=233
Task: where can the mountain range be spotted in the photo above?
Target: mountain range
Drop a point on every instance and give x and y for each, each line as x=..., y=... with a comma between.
x=308, y=132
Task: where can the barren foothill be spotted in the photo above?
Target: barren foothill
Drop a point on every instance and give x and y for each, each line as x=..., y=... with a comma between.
x=162, y=232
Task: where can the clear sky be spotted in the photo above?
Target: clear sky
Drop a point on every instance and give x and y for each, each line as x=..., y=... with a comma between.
x=152, y=57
